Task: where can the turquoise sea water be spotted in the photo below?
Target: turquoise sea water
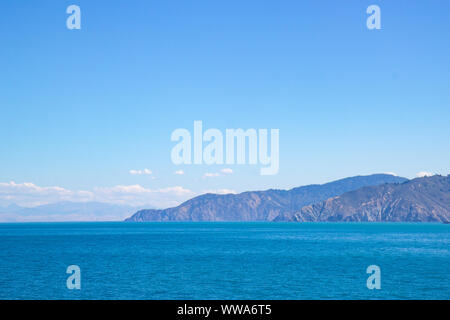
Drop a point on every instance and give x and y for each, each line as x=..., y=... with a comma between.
x=224, y=260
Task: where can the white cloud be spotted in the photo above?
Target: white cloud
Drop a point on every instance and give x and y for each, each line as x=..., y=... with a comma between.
x=29, y=195
x=224, y=171
x=210, y=175
x=422, y=174
x=392, y=174
x=220, y=191
x=141, y=172
x=179, y=172
x=138, y=195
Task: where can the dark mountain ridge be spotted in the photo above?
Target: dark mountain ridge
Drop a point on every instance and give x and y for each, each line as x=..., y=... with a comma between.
x=266, y=205
x=420, y=200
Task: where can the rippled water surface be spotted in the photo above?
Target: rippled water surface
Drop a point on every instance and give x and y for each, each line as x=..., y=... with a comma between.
x=224, y=260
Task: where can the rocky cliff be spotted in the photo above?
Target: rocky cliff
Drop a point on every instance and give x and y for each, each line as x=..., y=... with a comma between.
x=419, y=200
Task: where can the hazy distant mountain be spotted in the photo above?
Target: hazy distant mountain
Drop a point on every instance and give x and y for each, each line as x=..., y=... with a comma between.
x=419, y=200
x=66, y=211
x=259, y=205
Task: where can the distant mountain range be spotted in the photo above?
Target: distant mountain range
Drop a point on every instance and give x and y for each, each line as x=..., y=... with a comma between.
x=66, y=211
x=379, y=197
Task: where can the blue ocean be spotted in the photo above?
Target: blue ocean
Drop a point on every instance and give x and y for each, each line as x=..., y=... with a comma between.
x=224, y=260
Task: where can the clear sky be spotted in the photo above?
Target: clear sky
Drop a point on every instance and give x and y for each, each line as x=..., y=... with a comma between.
x=81, y=108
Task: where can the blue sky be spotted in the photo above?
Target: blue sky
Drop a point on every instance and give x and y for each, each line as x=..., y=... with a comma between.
x=81, y=108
